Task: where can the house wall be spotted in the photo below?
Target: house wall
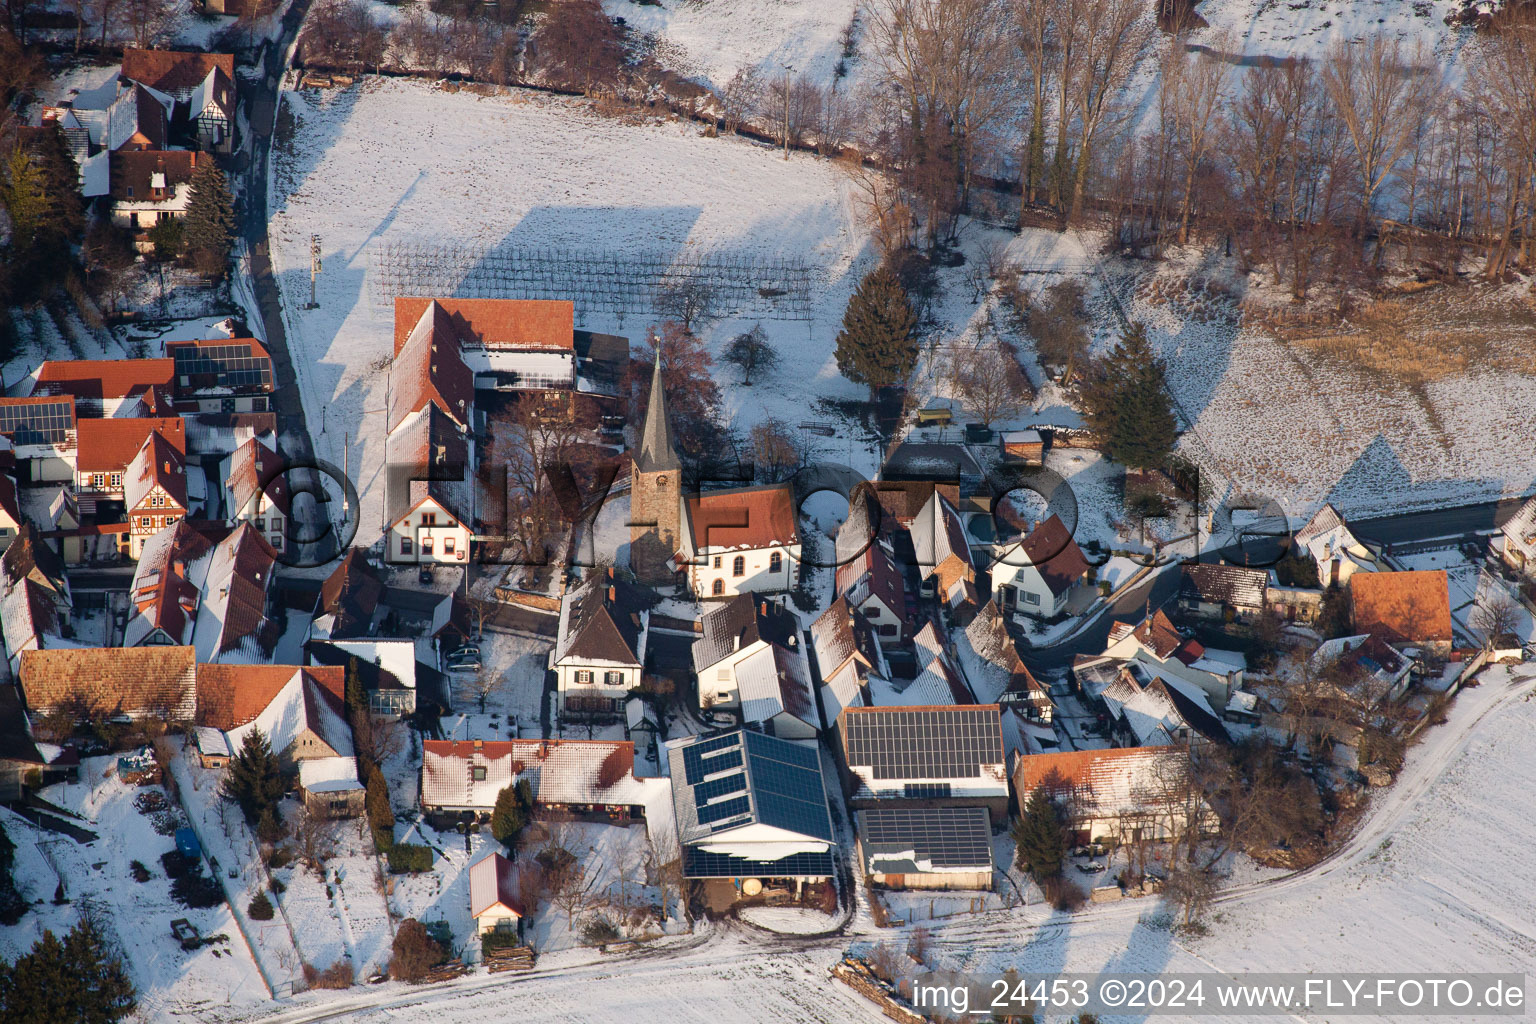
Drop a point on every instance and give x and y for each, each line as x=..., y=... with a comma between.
x=347, y=803
x=719, y=680
x=787, y=727
x=261, y=508
x=703, y=573
x=567, y=686
x=880, y=615
x=304, y=746
x=494, y=917
x=409, y=527
x=1025, y=582
x=970, y=880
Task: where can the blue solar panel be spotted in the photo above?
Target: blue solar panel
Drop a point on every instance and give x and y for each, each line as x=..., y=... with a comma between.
x=715, y=788
x=807, y=817
x=759, y=745
x=720, y=762
x=718, y=743
x=694, y=766
x=699, y=863
x=724, y=809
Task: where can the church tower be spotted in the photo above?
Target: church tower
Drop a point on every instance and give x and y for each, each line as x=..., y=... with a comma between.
x=655, y=493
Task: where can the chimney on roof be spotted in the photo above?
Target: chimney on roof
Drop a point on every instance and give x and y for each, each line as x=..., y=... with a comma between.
x=764, y=608
x=613, y=594
x=479, y=744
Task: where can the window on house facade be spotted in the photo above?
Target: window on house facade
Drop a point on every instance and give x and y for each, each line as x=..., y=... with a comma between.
x=405, y=545
x=96, y=479
x=117, y=479
x=477, y=772
x=739, y=566
x=583, y=675
x=718, y=561
x=447, y=545
x=261, y=522
x=429, y=519
x=723, y=675
x=888, y=629
x=144, y=522
x=613, y=678
x=775, y=562
x=1030, y=598
x=426, y=545
x=277, y=523
x=717, y=588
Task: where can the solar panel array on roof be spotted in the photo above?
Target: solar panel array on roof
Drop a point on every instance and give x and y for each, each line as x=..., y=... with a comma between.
x=699, y=863
x=946, y=837
x=696, y=765
x=33, y=422
x=786, y=783
x=924, y=743
x=232, y=365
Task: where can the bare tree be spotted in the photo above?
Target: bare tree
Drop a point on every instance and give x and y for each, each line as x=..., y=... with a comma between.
x=578, y=47
x=1190, y=889
x=990, y=382
x=889, y=216
x=1035, y=33
x=774, y=454
x=663, y=870
x=1380, y=95
x=739, y=97
x=313, y=839
x=150, y=20
x=685, y=301
x=1498, y=615
x=1506, y=90
x=751, y=351
x=1111, y=36
x=1199, y=89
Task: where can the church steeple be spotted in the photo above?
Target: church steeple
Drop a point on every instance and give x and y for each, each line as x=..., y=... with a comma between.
x=657, y=453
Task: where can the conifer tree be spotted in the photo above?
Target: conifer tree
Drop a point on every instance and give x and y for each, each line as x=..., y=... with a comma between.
x=510, y=816
x=24, y=194
x=255, y=779
x=1126, y=403
x=1040, y=842
x=210, y=220
x=877, y=346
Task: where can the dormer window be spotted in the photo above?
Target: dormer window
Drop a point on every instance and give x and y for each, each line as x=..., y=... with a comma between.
x=477, y=772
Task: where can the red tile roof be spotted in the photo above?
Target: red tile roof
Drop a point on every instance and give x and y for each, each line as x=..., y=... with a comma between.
x=1157, y=634
x=102, y=378
x=1108, y=776
x=229, y=696
x=253, y=467
x=1403, y=607
x=496, y=323
x=1055, y=555
x=752, y=517
x=107, y=446
x=872, y=572
x=160, y=465
x=174, y=71
x=109, y=680
x=428, y=369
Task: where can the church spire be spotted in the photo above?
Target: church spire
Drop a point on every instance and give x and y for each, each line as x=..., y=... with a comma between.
x=657, y=453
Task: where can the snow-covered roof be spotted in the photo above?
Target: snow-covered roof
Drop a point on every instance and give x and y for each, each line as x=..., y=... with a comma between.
x=329, y=774
x=1108, y=782
x=561, y=772
x=775, y=680
x=211, y=742
x=938, y=534
x=301, y=704
x=232, y=624
x=96, y=175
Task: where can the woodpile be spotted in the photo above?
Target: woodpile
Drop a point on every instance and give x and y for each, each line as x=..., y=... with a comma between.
x=509, y=958
x=447, y=972
x=856, y=974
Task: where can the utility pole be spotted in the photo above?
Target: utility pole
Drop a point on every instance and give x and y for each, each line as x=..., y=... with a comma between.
x=788, y=70
x=314, y=270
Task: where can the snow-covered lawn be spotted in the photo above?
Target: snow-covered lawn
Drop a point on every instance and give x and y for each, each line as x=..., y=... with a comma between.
x=1471, y=588
x=214, y=981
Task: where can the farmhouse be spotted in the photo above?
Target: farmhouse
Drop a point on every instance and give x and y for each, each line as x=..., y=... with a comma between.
x=871, y=583
x=348, y=605
x=751, y=806
x=506, y=344
x=847, y=655
x=1338, y=554
x=202, y=84
x=107, y=446
x=166, y=588
x=149, y=186
x=599, y=653
x=1035, y=574
x=1518, y=536
x=1229, y=592
x=733, y=634
x=221, y=375
x=256, y=490
x=154, y=491
x=943, y=554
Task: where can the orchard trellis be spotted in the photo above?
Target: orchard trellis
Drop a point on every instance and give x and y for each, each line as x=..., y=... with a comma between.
x=616, y=284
